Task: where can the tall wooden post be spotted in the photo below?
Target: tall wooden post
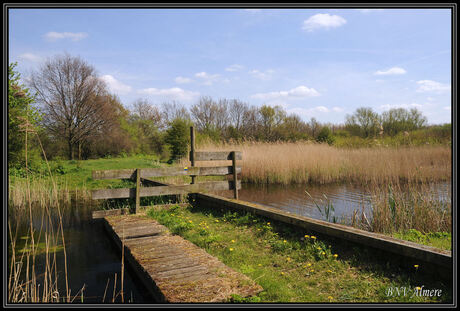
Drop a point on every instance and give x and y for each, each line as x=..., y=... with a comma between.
x=235, y=176
x=138, y=190
x=192, y=150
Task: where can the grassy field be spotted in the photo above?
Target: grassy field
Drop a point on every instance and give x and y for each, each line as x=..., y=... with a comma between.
x=295, y=266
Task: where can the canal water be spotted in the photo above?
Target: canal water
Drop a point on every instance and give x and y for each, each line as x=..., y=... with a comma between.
x=93, y=260
x=344, y=198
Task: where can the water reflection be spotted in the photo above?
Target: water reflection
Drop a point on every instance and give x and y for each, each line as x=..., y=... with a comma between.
x=92, y=259
x=345, y=198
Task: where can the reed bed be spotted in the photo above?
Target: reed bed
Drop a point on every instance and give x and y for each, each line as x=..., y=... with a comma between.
x=397, y=209
x=306, y=162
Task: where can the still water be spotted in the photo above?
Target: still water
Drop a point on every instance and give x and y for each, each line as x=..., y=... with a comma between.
x=93, y=260
x=344, y=198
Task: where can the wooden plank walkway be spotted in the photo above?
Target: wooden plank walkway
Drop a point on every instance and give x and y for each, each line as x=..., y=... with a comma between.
x=174, y=269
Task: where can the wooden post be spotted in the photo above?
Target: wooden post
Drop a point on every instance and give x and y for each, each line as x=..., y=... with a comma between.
x=192, y=150
x=138, y=190
x=235, y=176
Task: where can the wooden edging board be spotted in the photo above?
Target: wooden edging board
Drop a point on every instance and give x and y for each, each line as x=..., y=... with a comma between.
x=413, y=250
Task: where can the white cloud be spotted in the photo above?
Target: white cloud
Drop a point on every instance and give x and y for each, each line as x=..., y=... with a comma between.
x=337, y=109
x=234, y=67
x=182, y=80
x=432, y=86
x=263, y=75
x=325, y=21
x=207, y=78
x=115, y=85
x=391, y=71
x=30, y=57
x=174, y=93
x=295, y=93
x=74, y=36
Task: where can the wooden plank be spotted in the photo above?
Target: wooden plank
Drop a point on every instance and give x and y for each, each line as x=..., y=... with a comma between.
x=138, y=189
x=216, y=155
x=192, y=151
x=110, y=212
x=165, y=171
x=176, y=270
x=235, y=175
x=163, y=190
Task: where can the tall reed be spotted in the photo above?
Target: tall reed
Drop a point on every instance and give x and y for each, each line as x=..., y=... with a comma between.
x=397, y=208
x=306, y=162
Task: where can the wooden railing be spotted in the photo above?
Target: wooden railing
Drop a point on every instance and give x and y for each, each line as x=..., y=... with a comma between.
x=139, y=173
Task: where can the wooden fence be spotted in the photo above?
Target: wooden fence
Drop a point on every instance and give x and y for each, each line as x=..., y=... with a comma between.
x=139, y=173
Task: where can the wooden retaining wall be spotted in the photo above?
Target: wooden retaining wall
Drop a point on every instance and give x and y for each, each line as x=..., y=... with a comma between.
x=428, y=254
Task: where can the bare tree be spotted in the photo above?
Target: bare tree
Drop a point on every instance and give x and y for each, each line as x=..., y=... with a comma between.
x=236, y=111
x=73, y=98
x=146, y=111
x=173, y=110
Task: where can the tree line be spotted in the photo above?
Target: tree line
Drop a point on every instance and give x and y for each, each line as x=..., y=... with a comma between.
x=76, y=117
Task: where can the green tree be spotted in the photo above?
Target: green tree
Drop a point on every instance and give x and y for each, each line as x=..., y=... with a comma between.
x=325, y=136
x=177, y=137
x=20, y=110
x=364, y=122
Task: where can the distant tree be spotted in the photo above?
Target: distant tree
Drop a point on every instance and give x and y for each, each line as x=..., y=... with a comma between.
x=398, y=120
x=325, y=136
x=314, y=127
x=171, y=111
x=177, y=137
x=73, y=99
x=364, y=122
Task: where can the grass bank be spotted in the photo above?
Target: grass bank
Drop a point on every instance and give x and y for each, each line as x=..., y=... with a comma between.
x=295, y=266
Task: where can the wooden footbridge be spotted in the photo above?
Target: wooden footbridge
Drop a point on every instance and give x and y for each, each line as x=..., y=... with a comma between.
x=175, y=270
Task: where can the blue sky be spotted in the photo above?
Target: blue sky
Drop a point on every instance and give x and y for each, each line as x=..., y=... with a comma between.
x=321, y=63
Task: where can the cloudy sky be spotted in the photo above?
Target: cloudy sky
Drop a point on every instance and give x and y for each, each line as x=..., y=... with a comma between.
x=321, y=63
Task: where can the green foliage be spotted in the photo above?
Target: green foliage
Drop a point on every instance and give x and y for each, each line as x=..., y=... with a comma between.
x=178, y=137
x=20, y=110
x=325, y=136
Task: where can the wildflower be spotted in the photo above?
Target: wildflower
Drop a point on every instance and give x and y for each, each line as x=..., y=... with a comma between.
x=288, y=259
x=284, y=241
x=418, y=288
x=260, y=265
x=318, y=248
x=268, y=223
x=323, y=253
x=330, y=298
x=217, y=220
x=190, y=221
x=329, y=271
x=231, y=249
x=307, y=236
x=233, y=241
x=335, y=255
x=282, y=273
x=313, y=237
x=312, y=270
x=308, y=264
x=416, y=267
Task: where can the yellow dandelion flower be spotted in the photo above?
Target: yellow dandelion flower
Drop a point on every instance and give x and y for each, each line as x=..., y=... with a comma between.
x=318, y=248
x=233, y=241
x=330, y=298
x=217, y=220
x=329, y=271
x=308, y=264
x=231, y=249
x=323, y=253
x=307, y=236
x=313, y=237
x=288, y=259
x=282, y=273
x=335, y=255
x=312, y=270
x=190, y=221
x=284, y=241
x=260, y=265
x=268, y=223
x=418, y=288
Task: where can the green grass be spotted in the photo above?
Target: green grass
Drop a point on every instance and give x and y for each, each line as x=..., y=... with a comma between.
x=292, y=265
x=442, y=240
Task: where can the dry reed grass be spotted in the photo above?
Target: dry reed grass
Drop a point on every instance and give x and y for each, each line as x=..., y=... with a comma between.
x=305, y=162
